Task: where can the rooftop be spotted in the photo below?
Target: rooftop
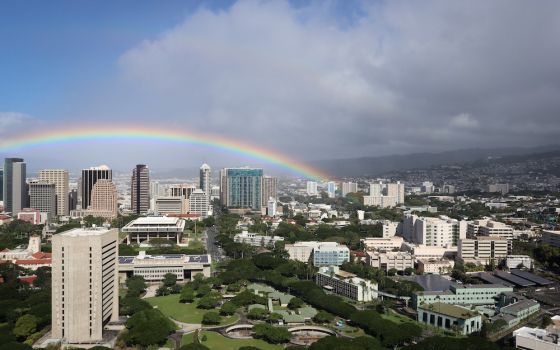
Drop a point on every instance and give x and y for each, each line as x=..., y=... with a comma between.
x=84, y=232
x=519, y=306
x=449, y=310
x=155, y=220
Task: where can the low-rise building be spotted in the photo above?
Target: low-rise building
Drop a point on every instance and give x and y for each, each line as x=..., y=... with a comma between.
x=340, y=282
x=256, y=240
x=462, y=294
x=435, y=267
x=516, y=261
x=390, y=260
x=327, y=255
x=303, y=251
x=551, y=237
x=145, y=228
x=515, y=312
x=154, y=267
x=483, y=249
x=450, y=317
x=536, y=339
x=382, y=243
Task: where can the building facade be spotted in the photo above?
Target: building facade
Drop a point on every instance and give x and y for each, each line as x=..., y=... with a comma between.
x=482, y=249
x=390, y=260
x=257, y=240
x=42, y=196
x=104, y=199
x=349, y=187
x=154, y=267
x=312, y=188
x=269, y=189
x=140, y=190
x=328, y=255
x=58, y=177
x=145, y=228
x=450, y=317
x=242, y=188
x=205, y=180
x=89, y=179
x=462, y=294
x=85, y=294
x=340, y=282
x=198, y=203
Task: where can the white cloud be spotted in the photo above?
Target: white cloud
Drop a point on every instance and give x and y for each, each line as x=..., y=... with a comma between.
x=464, y=121
x=9, y=121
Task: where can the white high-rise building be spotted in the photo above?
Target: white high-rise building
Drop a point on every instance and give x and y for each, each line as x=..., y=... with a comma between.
x=349, y=187
x=312, y=188
x=271, y=207
x=198, y=203
x=85, y=289
x=482, y=249
x=331, y=189
x=441, y=232
x=59, y=177
x=385, y=195
x=206, y=180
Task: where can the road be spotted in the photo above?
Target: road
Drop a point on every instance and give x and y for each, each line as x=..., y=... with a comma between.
x=211, y=247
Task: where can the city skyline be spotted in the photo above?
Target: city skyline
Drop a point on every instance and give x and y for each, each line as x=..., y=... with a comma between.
x=343, y=78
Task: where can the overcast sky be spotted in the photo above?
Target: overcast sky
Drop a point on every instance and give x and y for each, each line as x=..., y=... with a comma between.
x=315, y=80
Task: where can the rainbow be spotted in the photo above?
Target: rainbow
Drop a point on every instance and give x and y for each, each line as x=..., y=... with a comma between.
x=150, y=134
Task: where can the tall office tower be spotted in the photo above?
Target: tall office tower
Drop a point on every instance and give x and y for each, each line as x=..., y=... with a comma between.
x=85, y=289
x=140, y=189
x=1, y=184
x=223, y=187
x=269, y=189
x=104, y=199
x=206, y=179
x=331, y=189
x=59, y=177
x=349, y=187
x=14, y=186
x=312, y=188
x=242, y=188
x=198, y=203
x=73, y=200
x=89, y=178
x=42, y=196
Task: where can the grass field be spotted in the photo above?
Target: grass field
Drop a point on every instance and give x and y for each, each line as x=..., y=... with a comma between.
x=395, y=317
x=216, y=341
x=187, y=313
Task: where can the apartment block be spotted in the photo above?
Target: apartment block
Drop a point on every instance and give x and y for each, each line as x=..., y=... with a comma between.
x=346, y=284
x=482, y=249
x=390, y=260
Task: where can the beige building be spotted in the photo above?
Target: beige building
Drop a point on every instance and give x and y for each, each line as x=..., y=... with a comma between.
x=382, y=244
x=390, y=260
x=435, y=267
x=335, y=280
x=302, y=251
x=58, y=177
x=85, y=294
x=104, y=198
x=482, y=249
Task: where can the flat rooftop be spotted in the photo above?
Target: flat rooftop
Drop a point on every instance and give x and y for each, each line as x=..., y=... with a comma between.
x=155, y=220
x=192, y=259
x=83, y=232
x=448, y=310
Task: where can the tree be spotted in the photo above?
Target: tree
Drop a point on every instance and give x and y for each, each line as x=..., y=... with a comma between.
x=228, y=308
x=25, y=326
x=132, y=305
x=169, y=279
x=392, y=272
x=274, y=317
x=323, y=317
x=203, y=290
x=409, y=271
x=148, y=327
x=257, y=314
x=295, y=303
x=546, y=321
x=162, y=291
x=208, y=302
x=187, y=295
x=211, y=317
x=271, y=334
x=136, y=285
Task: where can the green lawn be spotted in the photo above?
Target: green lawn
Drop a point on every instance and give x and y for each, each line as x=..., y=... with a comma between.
x=396, y=317
x=169, y=344
x=187, y=313
x=216, y=341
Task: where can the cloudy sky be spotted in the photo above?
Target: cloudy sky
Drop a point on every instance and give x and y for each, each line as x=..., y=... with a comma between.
x=315, y=80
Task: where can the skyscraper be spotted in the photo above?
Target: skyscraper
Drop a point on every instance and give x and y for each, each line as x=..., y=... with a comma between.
x=104, y=199
x=331, y=189
x=269, y=189
x=241, y=188
x=312, y=188
x=140, y=189
x=206, y=179
x=59, y=178
x=1, y=184
x=198, y=203
x=85, y=294
x=14, y=186
x=89, y=178
x=42, y=196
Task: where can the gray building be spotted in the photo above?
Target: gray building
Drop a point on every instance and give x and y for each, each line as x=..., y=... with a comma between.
x=140, y=189
x=205, y=180
x=42, y=196
x=14, y=186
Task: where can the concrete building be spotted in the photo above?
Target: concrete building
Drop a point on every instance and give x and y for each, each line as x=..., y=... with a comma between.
x=170, y=205
x=104, y=199
x=145, y=228
x=89, y=179
x=462, y=294
x=14, y=185
x=537, y=339
x=140, y=189
x=390, y=260
x=58, y=177
x=312, y=188
x=182, y=190
x=450, y=317
x=329, y=255
x=269, y=189
x=349, y=187
x=32, y=216
x=441, y=232
x=241, y=188
x=382, y=244
x=198, y=203
x=430, y=252
x=498, y=188
x=303, y=251
x=42, y=196
x=435, y=267
x=551, y=237
x=205, y=180
x=271, y=207
x=515, y=261
x=385, y=195
x=482, y=249
x=518, y=310
x=85, y=289
x=256, y=240
x=340, y=282
x=154, y=267
x=331, y=189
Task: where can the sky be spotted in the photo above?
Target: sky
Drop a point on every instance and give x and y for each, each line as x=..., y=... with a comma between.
x=312, y=79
